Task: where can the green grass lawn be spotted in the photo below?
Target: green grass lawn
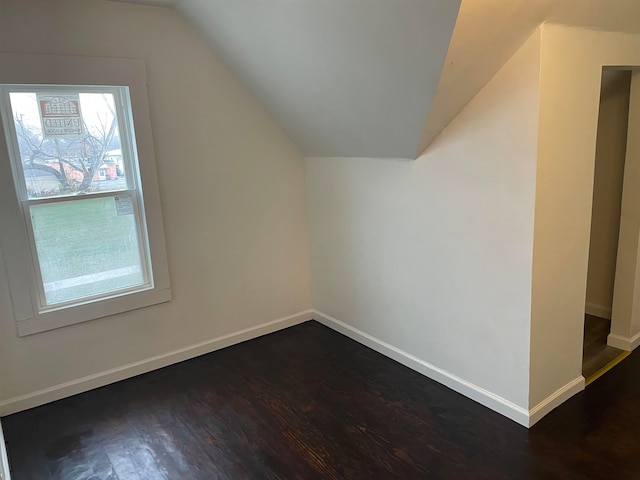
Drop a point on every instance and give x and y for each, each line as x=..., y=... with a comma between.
x=80, y=238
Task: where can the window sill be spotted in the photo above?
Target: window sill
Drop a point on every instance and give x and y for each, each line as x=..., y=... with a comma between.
x=81, y=313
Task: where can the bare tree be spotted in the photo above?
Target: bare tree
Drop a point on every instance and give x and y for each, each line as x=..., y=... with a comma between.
x=83, y=154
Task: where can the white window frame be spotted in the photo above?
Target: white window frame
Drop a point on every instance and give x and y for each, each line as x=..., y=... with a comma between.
x=17, y=249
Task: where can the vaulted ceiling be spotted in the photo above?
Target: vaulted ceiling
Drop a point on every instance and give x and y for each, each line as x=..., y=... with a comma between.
x=358, y=78
x=488, y=32
x=352, y=78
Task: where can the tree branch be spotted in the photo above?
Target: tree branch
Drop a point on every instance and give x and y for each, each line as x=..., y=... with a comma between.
x=46, y=168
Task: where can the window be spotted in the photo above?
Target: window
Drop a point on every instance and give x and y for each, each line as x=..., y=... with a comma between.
x=83, y=242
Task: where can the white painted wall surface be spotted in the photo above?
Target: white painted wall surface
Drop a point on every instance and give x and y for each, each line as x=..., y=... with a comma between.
x=485, y=36
x=625, y=321
x=232, y=187
x=611, y=146
x=571, y=65
x=487, y=33
x=434, y=256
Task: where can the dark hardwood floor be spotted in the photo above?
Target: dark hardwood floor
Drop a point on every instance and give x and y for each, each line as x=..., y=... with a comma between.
x=307, y=403
x=596, y=353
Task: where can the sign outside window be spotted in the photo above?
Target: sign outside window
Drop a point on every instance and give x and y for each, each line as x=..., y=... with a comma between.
x=60, y=115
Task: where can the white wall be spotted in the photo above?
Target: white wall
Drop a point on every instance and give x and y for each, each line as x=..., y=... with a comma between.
x=434, y=256
x=625, y=319
x=486, y=35
x=611, y=146
x=571, y=66
x=232, y=187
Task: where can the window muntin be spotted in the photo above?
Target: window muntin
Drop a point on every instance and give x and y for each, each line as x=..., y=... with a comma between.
x=78, y=190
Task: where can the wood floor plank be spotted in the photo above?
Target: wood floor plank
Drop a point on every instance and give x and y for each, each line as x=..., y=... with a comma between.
x=307, y=403
x=596, y=353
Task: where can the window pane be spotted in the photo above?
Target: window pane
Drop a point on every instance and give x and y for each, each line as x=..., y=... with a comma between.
x=69, y=142
x=87, y=247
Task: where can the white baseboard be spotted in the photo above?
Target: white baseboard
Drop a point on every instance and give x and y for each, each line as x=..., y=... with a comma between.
x=4, y=461
x=597, y=310
x=101, y=379
x=555, y=399
x=490, y=400
x=468, y=389
x=623, y=343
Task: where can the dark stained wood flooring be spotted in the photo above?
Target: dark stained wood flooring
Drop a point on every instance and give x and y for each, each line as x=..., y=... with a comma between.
x=596, y=353
x=307, y=403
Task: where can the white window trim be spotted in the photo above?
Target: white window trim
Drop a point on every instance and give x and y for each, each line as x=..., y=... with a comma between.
x=69, y=70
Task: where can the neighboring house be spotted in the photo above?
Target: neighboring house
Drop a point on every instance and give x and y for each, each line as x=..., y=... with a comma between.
x=41, y=181
x=303, y=199
x=114, y=157
x=107, y=172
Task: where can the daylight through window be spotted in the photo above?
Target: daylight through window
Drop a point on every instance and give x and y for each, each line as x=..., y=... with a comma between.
x=76, y=176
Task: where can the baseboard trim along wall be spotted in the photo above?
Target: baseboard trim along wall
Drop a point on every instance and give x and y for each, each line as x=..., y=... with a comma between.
x=490, y=400
x=101, y=379
x=484, y=397
x=597, y=310
x=623, y=343
x=555, y=399
x=4, y=461
x=468, y=389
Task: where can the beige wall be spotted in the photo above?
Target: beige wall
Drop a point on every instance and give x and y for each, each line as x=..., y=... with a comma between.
x=611, y=146
x=625, y=321
x=433, y=257
x=571, y=66
x=231, y=184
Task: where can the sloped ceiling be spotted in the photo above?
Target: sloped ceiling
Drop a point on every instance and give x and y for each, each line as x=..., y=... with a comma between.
x=358, y=78
x=488, y=32
x=348, y=78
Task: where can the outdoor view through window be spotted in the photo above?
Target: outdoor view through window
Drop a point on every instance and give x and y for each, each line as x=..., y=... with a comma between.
x=76, y=176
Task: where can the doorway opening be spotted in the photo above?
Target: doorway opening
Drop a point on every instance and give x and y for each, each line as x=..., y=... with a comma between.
x=611, y=148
